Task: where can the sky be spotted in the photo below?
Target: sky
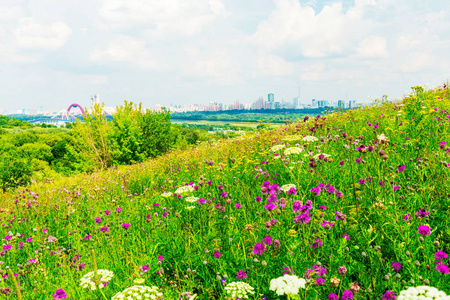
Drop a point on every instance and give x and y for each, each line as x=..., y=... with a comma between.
x=54, y=53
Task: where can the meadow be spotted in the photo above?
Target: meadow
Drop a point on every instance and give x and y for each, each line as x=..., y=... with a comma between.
x=351, y=205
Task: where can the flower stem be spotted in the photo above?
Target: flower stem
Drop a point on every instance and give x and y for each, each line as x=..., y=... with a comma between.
x=16, y=285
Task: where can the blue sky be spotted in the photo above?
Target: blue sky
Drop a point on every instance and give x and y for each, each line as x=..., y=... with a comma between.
x=54, y=53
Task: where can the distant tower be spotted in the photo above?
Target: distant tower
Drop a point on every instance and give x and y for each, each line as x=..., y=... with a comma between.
x=95, y=99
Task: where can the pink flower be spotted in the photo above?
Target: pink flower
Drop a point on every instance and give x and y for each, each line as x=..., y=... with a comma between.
x=424, y=230
x=241, y=275
x=125, y=225
x=259, y=248
x=217, y=254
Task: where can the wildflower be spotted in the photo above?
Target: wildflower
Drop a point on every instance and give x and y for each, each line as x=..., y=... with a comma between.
x=317, y=243
x=31, y=261
x=238, y=205
x=139, y=292
x=396, y=266
x=81, y=266
x=335, y=281
x=287, y=284
x=87, y=237
x=333, y=296
x=441, y=268
x=192, y=199
x=326, y=224
x=400, y=169
x=125, y=225
x=358, y=160
x=98, y=220
x=7, y=247
x=341, y=163
x=354, y=287
x=319, y=281
x=381, y=183
x=259, y=248
x=184, y=189
x=342, y=270
x=389, y=295
x=347, y=295
x=166, y=194
x=345, y=236
x=424, y=230
x=293, y=150
x=59, y=294
x=407, y=217
x=104, y=276
x=239, y=290
x=258, y=199
x=276, y=244
x=160, y=258
x=241, y=275
x=104, y=229
x=302, y=218
x=310, y=138
x=201, y=201
x=277, y=147
x=270, y=206
x=440, y=255
x=267, y=240
x=29, y=240
x=421, y=292
x=396, y=187
x=217, y=254
x=287, y=271
x=361, y=181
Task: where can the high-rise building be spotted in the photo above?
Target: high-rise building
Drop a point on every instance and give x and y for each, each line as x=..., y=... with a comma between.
x=271, y=99
x=295, y=102
x=341, y=104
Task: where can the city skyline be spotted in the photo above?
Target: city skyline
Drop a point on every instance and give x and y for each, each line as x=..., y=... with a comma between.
x=54, y=53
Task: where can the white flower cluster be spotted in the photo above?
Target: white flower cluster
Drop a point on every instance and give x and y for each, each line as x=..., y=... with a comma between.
x=185, y=189
x=139, y=292
x=382, y=137
x=422, y=292
x=293, y=150
x=310, y=138
x=285, y=188
x=287, y=284
x=292, y=138
x=87, y=281
x=189, y=207
x=324, y=155
x=192, y=199
x=277, y=147
x=167, y=194
x=239, y=289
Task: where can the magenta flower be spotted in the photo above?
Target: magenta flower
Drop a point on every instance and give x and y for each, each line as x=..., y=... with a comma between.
x=358, y=160
x=7, y=247
x=361, y=181
x=241, y=275
x=87, y=237
x=396, y=266
x=396, y=187
x=217, y=254
x=29, y=240
x=238, y=205
x=389, y=295
x=59, y=294
x=201, y=201
x=441, y=268
x=259, y=248
x=317, y=243
x=125, y=225
x=401, y=168
x=267, y=240
x=342, y=270
x=345, y=236
x=440, y=255
x=292, y=191
x=270, y=206
x=347, y=295
x=276, y=244
x=145, y=268
x=81, y=266
x=424, y=230
x=287, y=270
x=98, y=220
x=320, y=281
x=326, y=224
x=164, y=214
x=407, y=217
x=333, y=296
x=8, y=237
x=107, y=212
x=160, y=258
x=104, y=229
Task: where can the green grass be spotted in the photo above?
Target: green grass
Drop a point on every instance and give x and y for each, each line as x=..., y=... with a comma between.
x=389, y=191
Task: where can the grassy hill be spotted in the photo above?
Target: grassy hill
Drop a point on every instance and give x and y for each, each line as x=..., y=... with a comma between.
x=356, y=203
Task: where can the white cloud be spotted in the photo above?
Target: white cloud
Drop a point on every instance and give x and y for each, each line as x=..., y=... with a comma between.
x=125, y=49
x=160, y=18
x=34, y=35
x=10, y=13
x=272, y=65
x=373, y=47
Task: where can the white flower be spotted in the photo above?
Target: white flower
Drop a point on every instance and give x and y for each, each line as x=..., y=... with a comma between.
x=382, y=137
x=239, y=289
x=189, y=207
x=139, y=292
x=422, y=292
x=310, y=138
x=285, y=188
x=87, y=281
x=192, y=199
x=277, y=147
x=287, y=284
x=167, y=194
x=293, y=150
x=184, y=189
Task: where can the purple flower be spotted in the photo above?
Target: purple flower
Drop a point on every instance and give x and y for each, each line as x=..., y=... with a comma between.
x=165, y=214
x=29, y=240
x=347, y=295
x=317, y=243
x=441, y=268
x=160, y=258
x=259, y=248
x=87, y=237
x=401, y=168
x=333, y=296
x=287, y=270
x=81, y=266
x=342, y=270
x=8, y=237
x=361, y=181
x=201, y=201
x=319, y=281
x=125, y=225
x=389, y=295
x=381, y=183
x=59, y=294
x=238, y=205
x=303, y=218
x=145, y=268
x=341, y=163
x=292, y=191
x=296, y=206
x=396, y=266
x=276, y=244
x=104, y=229
x=440, y=255
x=326, y=224
x=407, y=217
x=396, y=187
x=358, y=160
x=98, y=220
x=270, y=206
x=258, y=199
x=107, y=212
x=345, y=236
x=267, y=240
x=217, y=254
x=241, y=275
x=424, y=230
x=7, y=247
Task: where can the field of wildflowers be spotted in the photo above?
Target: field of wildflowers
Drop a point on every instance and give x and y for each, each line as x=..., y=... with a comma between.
x=351, y=205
